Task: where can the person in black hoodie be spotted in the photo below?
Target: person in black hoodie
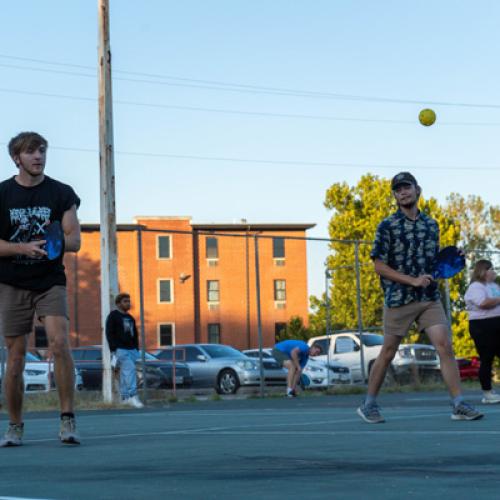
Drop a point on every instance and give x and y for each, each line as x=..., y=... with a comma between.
x=123, y=340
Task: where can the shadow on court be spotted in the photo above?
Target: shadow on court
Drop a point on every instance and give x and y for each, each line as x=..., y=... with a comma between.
x=312, y=447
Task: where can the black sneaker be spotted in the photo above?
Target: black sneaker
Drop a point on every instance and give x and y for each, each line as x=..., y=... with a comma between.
x=291, y=394
x=465, y=411
x=370, y=414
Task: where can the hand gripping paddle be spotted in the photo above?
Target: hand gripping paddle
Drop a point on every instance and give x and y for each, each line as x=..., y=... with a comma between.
x=449, y=262
x=54, y=238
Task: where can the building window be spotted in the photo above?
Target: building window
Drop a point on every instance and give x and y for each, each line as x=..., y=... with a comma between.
x=165, y=291
x=41, y=341
x=166, y=334
x=212, y=250
x=214, y=333
x=164, y=249
x=279, y=290
x=278, y=248
x=279, y=331
x=213, y=291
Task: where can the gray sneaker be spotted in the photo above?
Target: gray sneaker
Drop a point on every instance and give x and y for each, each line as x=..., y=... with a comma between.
x=13, y=436
x=465, y=411
x=68, y=434
x=370, y=414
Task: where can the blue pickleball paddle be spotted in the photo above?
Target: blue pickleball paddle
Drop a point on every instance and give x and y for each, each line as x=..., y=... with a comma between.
x=449, y=262
x=54, y=237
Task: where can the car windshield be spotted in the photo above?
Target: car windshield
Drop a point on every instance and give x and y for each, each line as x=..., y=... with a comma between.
x=222, y=351
x=29, y=356
x=371, y=339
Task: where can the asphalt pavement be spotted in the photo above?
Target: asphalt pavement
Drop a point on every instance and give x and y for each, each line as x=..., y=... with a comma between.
x=310, y=447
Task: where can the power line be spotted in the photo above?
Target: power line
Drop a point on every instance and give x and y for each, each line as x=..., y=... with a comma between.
x=237, y=87
x=278, y=162
x=241, y=112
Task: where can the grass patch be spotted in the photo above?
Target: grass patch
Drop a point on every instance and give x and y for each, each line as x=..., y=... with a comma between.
x=215, y=397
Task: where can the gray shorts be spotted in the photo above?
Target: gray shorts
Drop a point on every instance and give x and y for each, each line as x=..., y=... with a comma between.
x=280, y=356
x=18, y=307
x=398, y=320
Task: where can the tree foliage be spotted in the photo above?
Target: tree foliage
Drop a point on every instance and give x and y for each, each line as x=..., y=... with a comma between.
x=294, y=329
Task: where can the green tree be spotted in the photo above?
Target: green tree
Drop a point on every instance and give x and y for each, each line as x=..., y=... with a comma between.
x=295, y=330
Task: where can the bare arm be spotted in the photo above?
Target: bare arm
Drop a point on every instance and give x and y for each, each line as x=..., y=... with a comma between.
x=387, y=272
x=489, y=303
x=71, y=229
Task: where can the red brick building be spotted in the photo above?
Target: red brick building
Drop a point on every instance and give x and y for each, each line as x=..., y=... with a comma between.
x=198, y=280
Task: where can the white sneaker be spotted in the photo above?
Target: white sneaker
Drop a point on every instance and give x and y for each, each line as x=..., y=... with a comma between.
x=490, y=398
x=135, y=402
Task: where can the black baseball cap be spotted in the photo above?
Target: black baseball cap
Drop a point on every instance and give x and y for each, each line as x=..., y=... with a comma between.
x=403, y=178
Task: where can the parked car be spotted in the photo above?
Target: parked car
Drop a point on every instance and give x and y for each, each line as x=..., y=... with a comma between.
x=39, y=375
x=215, y=365
x=158, y=373
x=274, y=374
x=316, y=371
x=345, y=348
x=468, y=368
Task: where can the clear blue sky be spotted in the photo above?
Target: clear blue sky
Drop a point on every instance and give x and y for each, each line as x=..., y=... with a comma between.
x=425, y=52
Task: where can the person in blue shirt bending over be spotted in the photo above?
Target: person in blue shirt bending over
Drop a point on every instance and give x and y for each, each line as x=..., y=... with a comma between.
x=293, y=355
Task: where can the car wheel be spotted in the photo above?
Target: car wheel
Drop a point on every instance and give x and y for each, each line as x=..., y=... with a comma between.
x=227, y=382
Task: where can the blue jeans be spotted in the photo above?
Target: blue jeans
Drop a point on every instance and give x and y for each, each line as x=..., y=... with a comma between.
x=128, y=378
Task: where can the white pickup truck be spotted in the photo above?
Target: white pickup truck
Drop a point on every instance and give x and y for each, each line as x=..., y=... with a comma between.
x=345, y=348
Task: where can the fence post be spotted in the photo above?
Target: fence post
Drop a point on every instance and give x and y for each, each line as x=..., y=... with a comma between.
x=2, y=368
x=358, y=302
x=448, y=306
x=259, y=319
x=328, y=324
x=141, y=309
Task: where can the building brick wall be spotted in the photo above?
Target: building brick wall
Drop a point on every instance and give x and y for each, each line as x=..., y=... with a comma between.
x=189, y=270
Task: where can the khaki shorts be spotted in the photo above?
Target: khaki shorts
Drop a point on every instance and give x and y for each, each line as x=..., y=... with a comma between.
x=18, y=307
x=398, y=320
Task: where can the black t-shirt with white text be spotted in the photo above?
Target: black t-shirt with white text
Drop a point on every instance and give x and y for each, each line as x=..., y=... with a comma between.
x=24, y=213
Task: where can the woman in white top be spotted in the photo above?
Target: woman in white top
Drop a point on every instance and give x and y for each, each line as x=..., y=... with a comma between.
x=482, y=300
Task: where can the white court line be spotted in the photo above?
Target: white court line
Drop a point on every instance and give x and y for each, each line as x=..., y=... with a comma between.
x=354, y=433
x=234, y=429
x=21, y=498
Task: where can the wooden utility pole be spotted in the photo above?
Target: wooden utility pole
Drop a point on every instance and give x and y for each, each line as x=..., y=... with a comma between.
x=109, y=261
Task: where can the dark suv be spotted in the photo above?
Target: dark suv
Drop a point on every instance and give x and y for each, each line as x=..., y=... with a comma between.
x=159, y=374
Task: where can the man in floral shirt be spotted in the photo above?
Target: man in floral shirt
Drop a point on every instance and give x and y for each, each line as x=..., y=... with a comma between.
x=405, y=248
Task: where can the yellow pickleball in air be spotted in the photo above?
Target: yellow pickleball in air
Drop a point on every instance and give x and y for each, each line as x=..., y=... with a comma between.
x=427, y=117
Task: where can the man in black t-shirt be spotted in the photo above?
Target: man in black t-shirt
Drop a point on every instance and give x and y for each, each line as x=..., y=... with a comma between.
x=123, y=340
x=32, y=282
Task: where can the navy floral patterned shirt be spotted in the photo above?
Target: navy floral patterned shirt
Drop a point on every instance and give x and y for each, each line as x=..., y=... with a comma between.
x=409, y=247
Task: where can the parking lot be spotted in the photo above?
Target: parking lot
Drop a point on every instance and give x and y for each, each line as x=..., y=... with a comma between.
x=311, y=447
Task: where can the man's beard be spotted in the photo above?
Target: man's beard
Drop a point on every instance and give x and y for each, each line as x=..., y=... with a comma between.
x=408, y=204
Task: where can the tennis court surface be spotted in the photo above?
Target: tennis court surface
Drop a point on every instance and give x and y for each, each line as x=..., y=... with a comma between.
x=310, y=447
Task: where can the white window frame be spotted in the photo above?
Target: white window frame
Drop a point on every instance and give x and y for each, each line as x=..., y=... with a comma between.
x=158, y=333
x=171, y=301
x=279, y=301
x=158, y=236
x=213, y=302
